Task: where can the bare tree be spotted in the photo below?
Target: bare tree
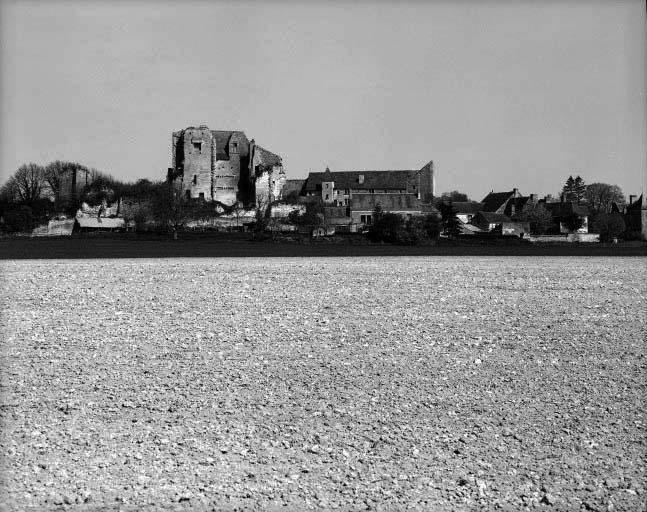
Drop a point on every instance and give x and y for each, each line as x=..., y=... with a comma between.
x=26, y=185
x=601, y=196
x=54, y=176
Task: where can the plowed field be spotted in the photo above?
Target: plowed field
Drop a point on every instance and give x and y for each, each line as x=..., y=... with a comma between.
x=426, y=383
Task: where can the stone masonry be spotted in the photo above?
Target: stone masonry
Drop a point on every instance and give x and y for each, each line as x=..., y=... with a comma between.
x=224, y=166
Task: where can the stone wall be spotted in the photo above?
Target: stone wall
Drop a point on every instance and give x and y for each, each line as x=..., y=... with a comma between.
x=225, y=181
x=197, y=146
x=269, y=186
x=427, y=181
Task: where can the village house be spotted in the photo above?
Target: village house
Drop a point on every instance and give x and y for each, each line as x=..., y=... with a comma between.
x=466, y=210
x=496, y=213
x=497, y=202
x=635, y=216
x=488, y=221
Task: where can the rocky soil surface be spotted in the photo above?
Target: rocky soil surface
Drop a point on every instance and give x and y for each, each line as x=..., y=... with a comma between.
x=353, y=384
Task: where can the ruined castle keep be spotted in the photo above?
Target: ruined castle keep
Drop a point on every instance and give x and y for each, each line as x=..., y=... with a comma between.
x=224, y=166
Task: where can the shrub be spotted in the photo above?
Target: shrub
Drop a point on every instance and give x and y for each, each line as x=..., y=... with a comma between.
x=608, y=225
x=386, y=228
x=573, y=222
x=19, y=219
x=392, y=228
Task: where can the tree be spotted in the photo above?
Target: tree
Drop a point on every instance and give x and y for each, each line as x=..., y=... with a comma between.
x=608, y=225
x=19, y=219
x=538, y=216
x=454, y=195
x=26, y=185
x=170, y=207
x=312, y=216
x=568, y=190
x=392, y=228
x=377, y=212
x=432, y=226
x=55, y=171
x=579, y=189
x=386, y=227
x=451, y=223
x=601, y=196
x=573, y=222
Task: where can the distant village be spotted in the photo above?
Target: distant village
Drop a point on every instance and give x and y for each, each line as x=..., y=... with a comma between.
x=222, y=181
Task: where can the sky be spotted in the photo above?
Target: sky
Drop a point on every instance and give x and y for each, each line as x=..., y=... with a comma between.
x=499, y=94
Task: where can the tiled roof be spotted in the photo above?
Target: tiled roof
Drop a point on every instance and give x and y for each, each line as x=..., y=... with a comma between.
x=492, y=218
x=388, y=202
x=293, y=186
x=467, y=207
x=567, y=208
x=381, y=180
x=520, y=202
x=495, y=200
x=267, y=157
x=468, y=229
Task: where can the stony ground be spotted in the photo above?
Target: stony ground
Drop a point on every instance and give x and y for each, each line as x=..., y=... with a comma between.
x=384, y=383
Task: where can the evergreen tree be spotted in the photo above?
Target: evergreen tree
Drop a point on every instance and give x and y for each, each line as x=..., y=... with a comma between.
x=568, y=190
x=579, y=189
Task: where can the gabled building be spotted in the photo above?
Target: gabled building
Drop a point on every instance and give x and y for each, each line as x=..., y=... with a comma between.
x=336, y=188
x=466, y=210
x=636, y=216
x=362, y=206
x=488, y=221
x=501, y=224
x=497, y=202
x=358, y=193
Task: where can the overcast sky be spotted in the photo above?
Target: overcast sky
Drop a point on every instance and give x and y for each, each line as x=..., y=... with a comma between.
x=499, y=94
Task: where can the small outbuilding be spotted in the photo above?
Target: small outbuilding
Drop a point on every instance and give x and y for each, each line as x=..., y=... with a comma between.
x=98, y=224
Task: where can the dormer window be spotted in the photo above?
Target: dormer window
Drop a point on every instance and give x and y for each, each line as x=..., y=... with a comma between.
x=360, y=179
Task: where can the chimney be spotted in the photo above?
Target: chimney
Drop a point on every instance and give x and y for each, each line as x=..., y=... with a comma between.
x=515, y=192
x=533, y=198
x=250, y=170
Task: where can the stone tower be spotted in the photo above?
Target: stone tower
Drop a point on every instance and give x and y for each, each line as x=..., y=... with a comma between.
x=209, y=163
x=327, y=187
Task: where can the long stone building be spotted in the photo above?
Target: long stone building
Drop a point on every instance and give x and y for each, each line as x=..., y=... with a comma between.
x=351, y=197
x=224, y=166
